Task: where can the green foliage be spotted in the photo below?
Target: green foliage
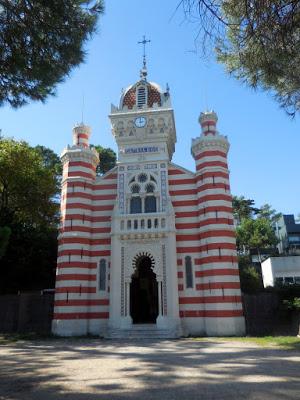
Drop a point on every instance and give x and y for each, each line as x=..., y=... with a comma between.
x=255, y=233
x=257, y=41
x=292, y=304
x=40, y=43
x=250, y=279
x=27, y=186
x=108, y=159
x=5, y=233
x=243, y=208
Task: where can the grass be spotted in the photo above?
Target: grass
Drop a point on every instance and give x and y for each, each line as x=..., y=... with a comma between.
x=283, y=342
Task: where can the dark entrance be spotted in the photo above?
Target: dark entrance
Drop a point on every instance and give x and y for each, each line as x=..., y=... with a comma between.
x=144, y=293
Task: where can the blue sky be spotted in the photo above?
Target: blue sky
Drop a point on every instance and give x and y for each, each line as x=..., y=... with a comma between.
x=265, y=142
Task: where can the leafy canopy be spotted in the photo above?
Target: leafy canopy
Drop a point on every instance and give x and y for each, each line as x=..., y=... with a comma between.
x=40, y=43
x=257, y=41
x=27, y=185
x=108, y=159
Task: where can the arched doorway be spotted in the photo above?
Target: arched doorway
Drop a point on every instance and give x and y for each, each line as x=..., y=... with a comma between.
x=143, y=293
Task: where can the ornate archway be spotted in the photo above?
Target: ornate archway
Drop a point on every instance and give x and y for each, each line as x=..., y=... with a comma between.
x=143, y=290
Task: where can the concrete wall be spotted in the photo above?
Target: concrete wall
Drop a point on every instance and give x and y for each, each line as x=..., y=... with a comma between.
x=279, y=267
x=27, y=312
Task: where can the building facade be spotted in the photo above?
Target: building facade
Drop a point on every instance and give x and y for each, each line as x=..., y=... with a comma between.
x=148, y=245
x=288, y=233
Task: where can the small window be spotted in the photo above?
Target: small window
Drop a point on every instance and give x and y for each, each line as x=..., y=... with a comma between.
x=149, y=188
x=189, y=272
x=150, y=204
x=135, y=188
x=102, y=275
x=142, y=178
x=135, y=205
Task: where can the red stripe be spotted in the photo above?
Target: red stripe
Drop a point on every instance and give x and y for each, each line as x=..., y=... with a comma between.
x=187, y=181
x=211, y=313
x=201, y=235
x=210, y=246
x=82, y=206
x=212, y=186
x=82, y=135
x=180, y=274
x=76, y=228
x=111, y=176
x=101, y=218
x=217, y=272
x=81, y=173
x=184, y=203
x=86, y=315
x=71, y=303
x=211, y=164
x=91, y=242
x=208, y=122
x=176, y=172
x=180, y=287
x=211, y=153
x=216, y=259
x=179, y=261
x=87, y=185
x=210, y=174
x=209, y=221
x=183, y=192
x=87, y=253
x=75, y=277
x=209, y=299
x=75, y=289
x=218, y=285
x=77, y=264
x=91, y=196
x=82, y=164
x=212, y=197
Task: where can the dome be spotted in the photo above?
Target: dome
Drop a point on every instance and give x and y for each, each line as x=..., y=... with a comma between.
x=140, y=94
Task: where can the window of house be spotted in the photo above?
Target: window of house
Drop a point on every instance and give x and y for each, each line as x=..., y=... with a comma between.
x=135, y=188
x=150, y=204
x=102, y=275
x=149, y=188
x=135, y=205
x=189, y=272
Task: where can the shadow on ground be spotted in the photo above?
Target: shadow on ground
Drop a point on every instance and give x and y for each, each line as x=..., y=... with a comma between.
x=93, y=369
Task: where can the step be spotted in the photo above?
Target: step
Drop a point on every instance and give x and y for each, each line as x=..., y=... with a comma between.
x=142, y=331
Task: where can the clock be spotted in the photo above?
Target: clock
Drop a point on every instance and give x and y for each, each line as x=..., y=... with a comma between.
x=140, y=122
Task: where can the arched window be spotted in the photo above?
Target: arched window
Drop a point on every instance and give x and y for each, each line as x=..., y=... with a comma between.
x=102, y=275
x=135, y=205
x=149, y=188
x=135, y=188
x=189, y=279
x=150, y=204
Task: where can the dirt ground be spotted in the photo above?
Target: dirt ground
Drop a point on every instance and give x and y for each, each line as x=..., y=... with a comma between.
x=92, y=369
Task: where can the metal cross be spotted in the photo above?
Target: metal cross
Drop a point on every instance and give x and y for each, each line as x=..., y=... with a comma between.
x=144, y=42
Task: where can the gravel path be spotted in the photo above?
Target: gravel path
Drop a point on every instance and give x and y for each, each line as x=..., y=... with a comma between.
x=91, y=369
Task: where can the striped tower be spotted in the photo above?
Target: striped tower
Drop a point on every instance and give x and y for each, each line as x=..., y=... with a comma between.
x=76, y=270
x=218, y=268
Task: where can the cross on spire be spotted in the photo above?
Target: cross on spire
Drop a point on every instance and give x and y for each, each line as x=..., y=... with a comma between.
x=144, y=69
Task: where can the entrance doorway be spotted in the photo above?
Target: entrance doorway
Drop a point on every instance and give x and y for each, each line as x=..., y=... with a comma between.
x=144, y=293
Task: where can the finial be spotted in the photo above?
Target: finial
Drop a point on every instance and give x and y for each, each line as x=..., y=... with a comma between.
x=208, y=121
x=143, y=72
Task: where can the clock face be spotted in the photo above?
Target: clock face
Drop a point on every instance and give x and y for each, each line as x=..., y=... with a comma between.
x=140, y=122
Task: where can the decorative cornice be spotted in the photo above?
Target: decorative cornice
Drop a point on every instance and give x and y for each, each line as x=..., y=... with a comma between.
x=79, y=153
x=203, y=143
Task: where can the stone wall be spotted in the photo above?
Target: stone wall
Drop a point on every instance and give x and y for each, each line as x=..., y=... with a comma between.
x=26, y=312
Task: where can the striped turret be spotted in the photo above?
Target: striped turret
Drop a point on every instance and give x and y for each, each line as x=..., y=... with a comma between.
x=218, y=268
x=76, y=271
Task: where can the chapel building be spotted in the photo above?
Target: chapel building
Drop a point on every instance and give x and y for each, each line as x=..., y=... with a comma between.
x=149, y=248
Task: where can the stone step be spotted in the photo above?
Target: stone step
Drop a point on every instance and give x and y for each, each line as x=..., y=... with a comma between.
x=141, y=331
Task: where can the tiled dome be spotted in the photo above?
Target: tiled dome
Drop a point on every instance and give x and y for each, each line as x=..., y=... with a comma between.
x=129, y=97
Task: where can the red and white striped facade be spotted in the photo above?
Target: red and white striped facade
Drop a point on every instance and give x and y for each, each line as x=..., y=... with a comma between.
x=193, y=219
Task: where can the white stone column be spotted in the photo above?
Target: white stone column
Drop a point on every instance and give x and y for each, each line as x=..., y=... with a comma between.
x=159, y=299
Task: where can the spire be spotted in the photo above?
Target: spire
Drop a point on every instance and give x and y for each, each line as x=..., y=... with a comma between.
x=144, y=72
